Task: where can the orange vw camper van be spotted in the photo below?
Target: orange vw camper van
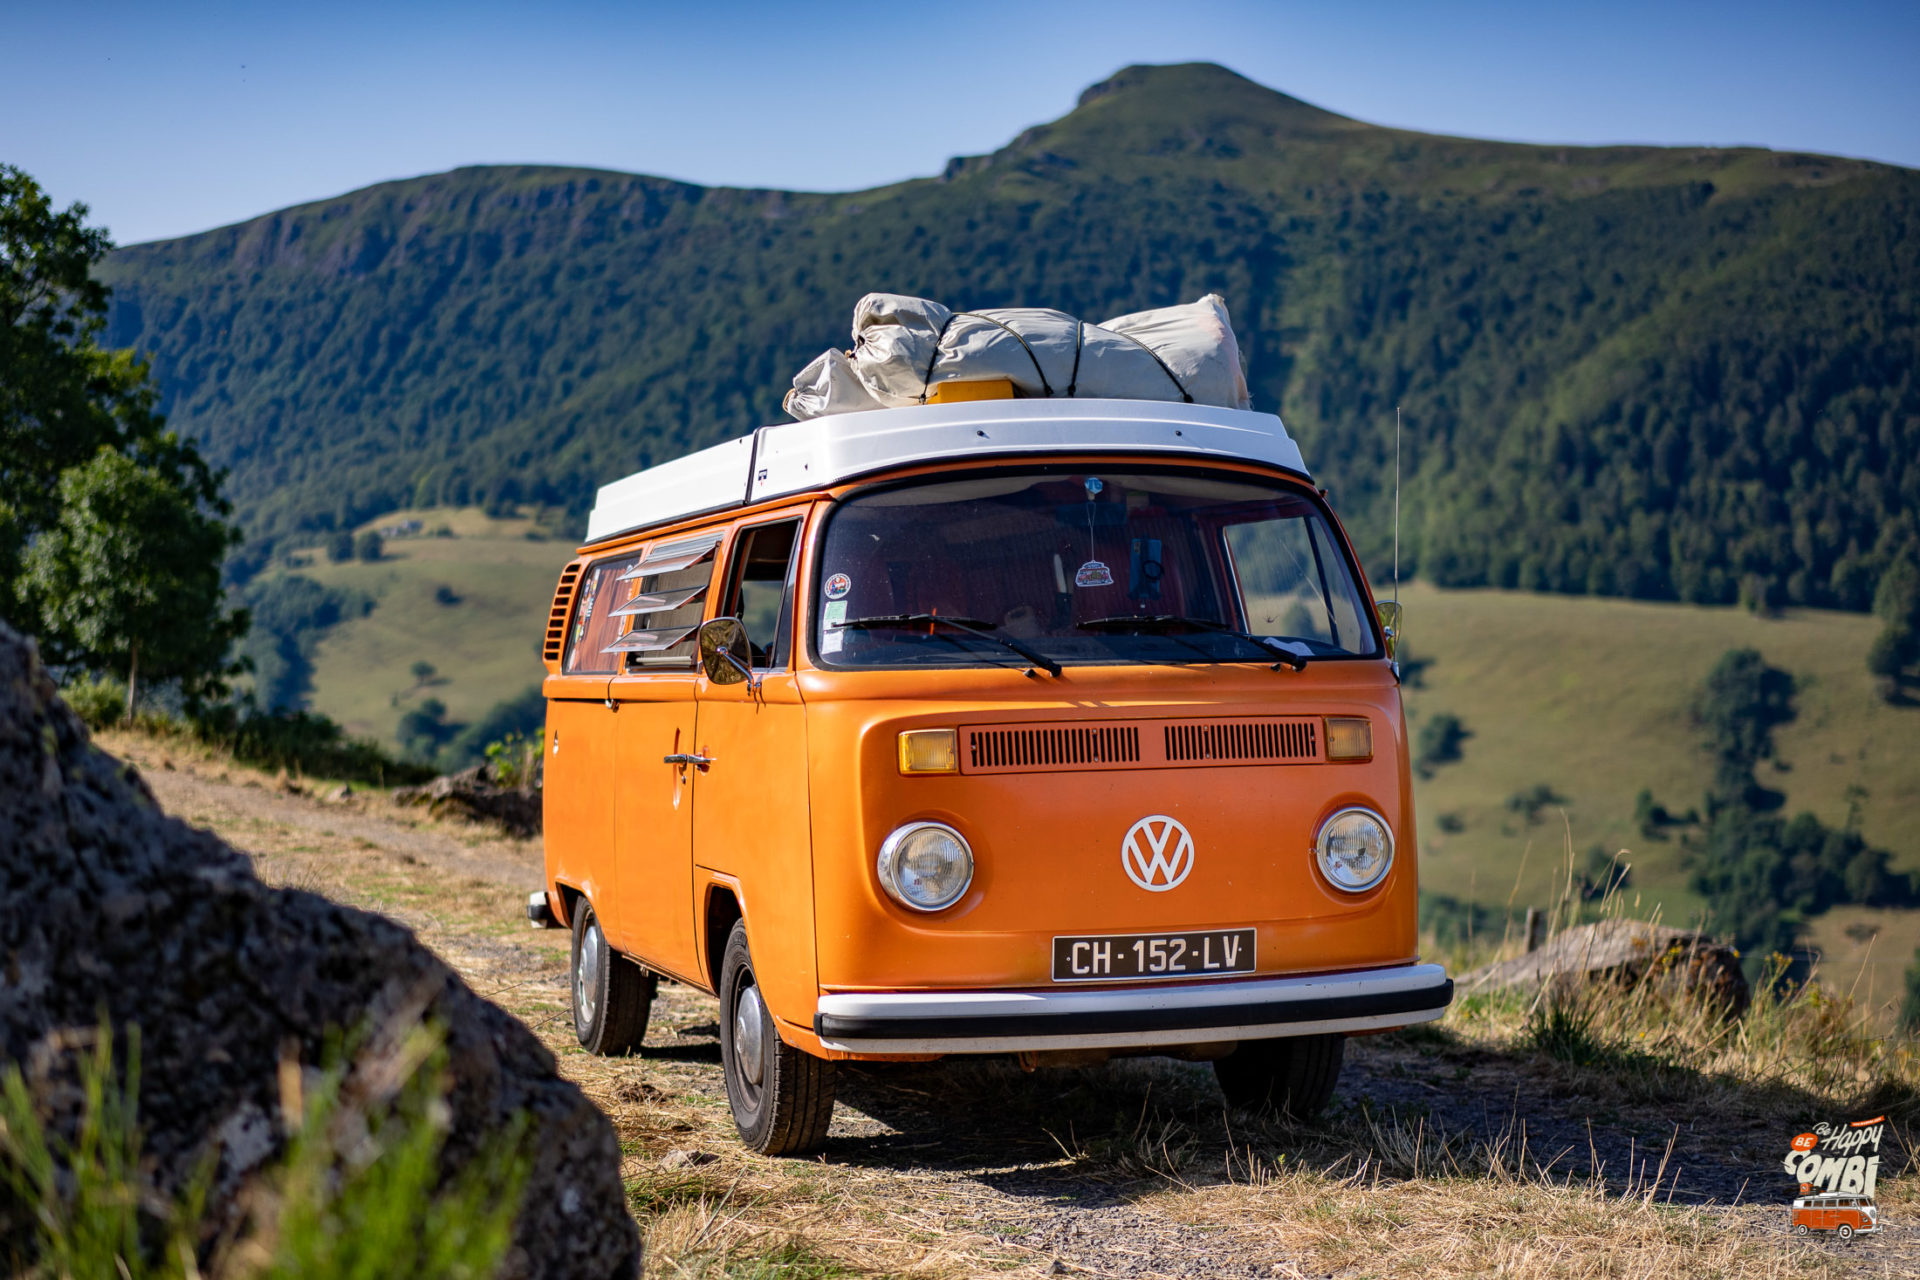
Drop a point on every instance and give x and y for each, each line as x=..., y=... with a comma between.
x=1062, y=729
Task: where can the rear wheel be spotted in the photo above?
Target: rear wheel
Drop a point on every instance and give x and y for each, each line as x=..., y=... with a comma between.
x=782, y=1097
x=1801, y=1229
x=612, y=995
x=1294, y=1076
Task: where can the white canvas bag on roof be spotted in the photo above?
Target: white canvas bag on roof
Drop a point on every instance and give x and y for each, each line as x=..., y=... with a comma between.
x=905, y=346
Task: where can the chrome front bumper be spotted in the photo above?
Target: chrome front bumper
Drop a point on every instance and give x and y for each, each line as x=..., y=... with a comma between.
x=1130, y=1017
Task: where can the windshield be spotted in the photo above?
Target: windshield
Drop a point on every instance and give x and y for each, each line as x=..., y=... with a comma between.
x=1079, y=567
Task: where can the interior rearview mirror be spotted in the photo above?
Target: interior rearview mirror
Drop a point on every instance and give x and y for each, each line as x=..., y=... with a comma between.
x=1389, y=611
x=725, y=654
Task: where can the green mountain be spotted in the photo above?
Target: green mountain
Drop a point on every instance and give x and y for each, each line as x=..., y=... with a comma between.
x=1662, y=372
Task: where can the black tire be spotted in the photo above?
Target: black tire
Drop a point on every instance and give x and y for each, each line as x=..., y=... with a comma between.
x=782, y=1097
x=611, y=995
x=1294, y=1076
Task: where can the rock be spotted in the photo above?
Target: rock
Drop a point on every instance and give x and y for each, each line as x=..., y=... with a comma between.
x=1628, y=951
x=473, y=794
x=110, y=908
x=687, y=1159
x=342, y=792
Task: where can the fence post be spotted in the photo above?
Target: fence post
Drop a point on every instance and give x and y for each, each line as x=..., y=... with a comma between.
x=1536, y=928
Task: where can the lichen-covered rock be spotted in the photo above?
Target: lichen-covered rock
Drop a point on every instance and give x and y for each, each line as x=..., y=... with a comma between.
x=473, y=794
x=1625, y=951
x=109, y=907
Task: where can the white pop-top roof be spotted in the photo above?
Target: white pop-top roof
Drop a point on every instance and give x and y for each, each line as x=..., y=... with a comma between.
x=797, y=456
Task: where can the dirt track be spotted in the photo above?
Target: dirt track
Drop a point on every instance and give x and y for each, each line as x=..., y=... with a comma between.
x=1130, y=1170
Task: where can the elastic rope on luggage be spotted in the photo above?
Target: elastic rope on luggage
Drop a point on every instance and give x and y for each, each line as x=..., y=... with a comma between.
x=926, y=382
x=1073, y=380
x=1046, y=388
x=1177, y=385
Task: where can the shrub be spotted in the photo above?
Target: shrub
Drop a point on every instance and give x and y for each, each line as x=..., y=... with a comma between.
x=340, y=547
x=301, y=742
x=368, y=546
x=1530, y=802
x=513, y=759
x=99, y=701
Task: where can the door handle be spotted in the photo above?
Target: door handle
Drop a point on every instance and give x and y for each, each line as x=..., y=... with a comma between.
x=687, y=757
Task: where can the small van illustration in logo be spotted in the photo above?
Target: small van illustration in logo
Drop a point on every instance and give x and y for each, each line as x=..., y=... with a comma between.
x=1836, y=1166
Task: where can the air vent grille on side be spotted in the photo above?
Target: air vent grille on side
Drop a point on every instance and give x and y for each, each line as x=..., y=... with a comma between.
x=1045, y=747
x=557, y=616
x=1242, y=740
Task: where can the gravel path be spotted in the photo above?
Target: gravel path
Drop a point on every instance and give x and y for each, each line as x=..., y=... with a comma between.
x=1051, y=1171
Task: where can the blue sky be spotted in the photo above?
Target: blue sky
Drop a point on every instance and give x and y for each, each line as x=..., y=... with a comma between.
x=172, y=118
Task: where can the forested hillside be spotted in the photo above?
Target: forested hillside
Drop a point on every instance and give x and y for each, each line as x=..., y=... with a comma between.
x=1663, y=372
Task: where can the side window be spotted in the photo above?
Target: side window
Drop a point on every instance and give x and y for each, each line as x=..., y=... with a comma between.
x=665, y=602
x=594, y=627
x=641, y=607
x=760, y=589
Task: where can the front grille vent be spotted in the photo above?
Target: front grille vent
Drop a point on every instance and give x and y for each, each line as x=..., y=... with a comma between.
x=1138, y=744
x=1237, y=740
x=557, y=616
x=1054, y=747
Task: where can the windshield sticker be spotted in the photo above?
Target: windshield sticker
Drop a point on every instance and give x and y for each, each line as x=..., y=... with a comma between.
x=835, y=613
x=833, y=641
x=1093, y=574
x=838, y=586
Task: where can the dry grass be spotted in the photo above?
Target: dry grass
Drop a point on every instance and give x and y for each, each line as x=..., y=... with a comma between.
x=1521, y=1138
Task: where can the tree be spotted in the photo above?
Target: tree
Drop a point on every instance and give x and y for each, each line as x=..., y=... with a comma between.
x=128, y=578
x=63, y=398
x=1739, y=707
x=1439, y=742
x=340, y=547
x=1896, y=602
x=1910, y=1005
x=368, y=546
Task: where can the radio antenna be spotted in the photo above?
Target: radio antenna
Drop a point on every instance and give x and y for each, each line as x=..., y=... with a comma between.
x=1396, y=506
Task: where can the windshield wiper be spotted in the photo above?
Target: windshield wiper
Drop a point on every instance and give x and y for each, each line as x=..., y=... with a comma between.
x=972, y=626
x=1164, y=621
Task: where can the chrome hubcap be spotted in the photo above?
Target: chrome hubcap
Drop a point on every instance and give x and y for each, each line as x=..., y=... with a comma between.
x=586, y=977
x=748, y=1021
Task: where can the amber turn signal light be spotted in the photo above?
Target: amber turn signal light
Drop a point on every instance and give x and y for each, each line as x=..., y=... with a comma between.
x=931, y=751
x=1348, y=738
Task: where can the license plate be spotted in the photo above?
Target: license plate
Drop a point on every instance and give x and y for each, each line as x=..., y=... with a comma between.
x=1116, y=956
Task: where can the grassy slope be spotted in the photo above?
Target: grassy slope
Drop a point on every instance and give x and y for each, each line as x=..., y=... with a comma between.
x=485, y=648
x=1590, y=696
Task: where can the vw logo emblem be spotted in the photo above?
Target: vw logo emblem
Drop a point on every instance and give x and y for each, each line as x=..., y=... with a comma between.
x=1157, y=853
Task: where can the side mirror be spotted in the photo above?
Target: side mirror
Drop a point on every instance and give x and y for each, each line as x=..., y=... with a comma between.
x=725, y=654
x=1390, y=624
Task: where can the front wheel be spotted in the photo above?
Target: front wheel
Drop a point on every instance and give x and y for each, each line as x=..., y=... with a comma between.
x=1294, y=1076
x=782, y=1097
x=1846, y=1232
x=612, y=995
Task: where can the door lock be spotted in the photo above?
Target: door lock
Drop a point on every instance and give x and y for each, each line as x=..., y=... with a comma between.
x=687, y=757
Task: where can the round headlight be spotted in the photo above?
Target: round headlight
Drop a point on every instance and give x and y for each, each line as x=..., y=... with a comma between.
x=926, y=866
x=1355, y=848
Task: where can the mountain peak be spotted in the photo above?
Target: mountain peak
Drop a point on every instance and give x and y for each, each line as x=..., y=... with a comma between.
x=1191, y=109
x=1178, y=83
